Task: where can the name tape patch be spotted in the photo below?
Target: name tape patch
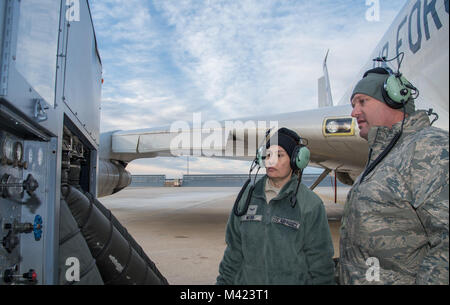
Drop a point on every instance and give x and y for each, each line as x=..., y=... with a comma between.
x=251, y=218
x=286, y=222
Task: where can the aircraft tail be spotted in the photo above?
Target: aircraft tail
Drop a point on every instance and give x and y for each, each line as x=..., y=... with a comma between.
x=324, y=88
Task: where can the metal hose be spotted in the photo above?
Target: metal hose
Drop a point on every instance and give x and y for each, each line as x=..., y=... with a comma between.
x=73, y=244
x=119, y=258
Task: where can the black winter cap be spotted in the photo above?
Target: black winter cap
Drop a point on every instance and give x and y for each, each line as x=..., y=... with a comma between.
x=286, y=138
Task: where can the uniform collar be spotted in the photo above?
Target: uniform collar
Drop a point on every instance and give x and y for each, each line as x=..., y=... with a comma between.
x=287, y=189
x=270, y=187
x=380, y=136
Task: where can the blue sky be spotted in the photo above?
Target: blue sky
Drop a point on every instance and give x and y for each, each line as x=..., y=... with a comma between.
x=163, y=60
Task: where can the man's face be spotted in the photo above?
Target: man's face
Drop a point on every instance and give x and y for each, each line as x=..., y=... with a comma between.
x=370, y=112
x=277, y=162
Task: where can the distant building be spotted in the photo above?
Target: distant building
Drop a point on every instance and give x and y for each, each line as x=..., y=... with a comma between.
x=148, y=180
x=215, y=180
x=173, y=182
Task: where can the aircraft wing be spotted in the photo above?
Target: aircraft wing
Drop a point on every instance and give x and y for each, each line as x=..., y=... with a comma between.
x=331, y=133
x=333, y=137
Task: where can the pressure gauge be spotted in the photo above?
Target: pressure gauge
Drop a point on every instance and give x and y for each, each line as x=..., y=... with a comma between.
x=18, y=152
x=8, y=148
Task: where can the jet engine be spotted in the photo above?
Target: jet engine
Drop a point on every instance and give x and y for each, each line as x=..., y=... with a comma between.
x=112, y=177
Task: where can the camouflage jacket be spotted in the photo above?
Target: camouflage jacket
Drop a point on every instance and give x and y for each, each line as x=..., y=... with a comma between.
x=395, y=224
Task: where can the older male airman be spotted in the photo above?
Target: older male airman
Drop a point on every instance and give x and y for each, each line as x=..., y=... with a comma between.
x=395, y=223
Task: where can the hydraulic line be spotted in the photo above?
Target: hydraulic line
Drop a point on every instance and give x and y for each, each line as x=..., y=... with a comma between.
x=73, y=245
x=119, y=258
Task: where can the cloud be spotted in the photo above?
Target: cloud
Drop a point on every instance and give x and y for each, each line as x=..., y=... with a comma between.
x=164, y=60
x=228, y=58
x=243, y=54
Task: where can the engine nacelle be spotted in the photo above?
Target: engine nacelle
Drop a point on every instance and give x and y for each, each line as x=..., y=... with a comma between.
x=346, y=178
x=112, y=177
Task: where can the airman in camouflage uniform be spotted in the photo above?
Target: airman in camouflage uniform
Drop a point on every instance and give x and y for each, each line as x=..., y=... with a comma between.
x=395, y=223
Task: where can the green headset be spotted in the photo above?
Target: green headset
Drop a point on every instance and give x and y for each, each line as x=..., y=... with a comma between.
x=300, y=157
x=396, y=90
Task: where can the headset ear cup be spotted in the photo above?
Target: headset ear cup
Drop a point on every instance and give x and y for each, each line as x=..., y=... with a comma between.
x=394, y=91
x=387, y=99
x=300, y=157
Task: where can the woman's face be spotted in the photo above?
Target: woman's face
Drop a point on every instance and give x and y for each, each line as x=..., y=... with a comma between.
x=277, y=163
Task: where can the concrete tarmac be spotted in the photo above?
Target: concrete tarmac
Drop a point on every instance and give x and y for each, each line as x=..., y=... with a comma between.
x=182, y=230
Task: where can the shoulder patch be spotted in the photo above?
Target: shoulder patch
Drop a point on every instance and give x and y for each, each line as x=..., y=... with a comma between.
x=252, y=209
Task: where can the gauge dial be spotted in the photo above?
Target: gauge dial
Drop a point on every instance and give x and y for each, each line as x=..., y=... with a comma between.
x=8, y=148
x=18, y=151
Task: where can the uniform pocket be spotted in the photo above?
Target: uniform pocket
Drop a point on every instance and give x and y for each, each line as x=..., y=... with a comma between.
x=286, y=235
x=252, y=233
